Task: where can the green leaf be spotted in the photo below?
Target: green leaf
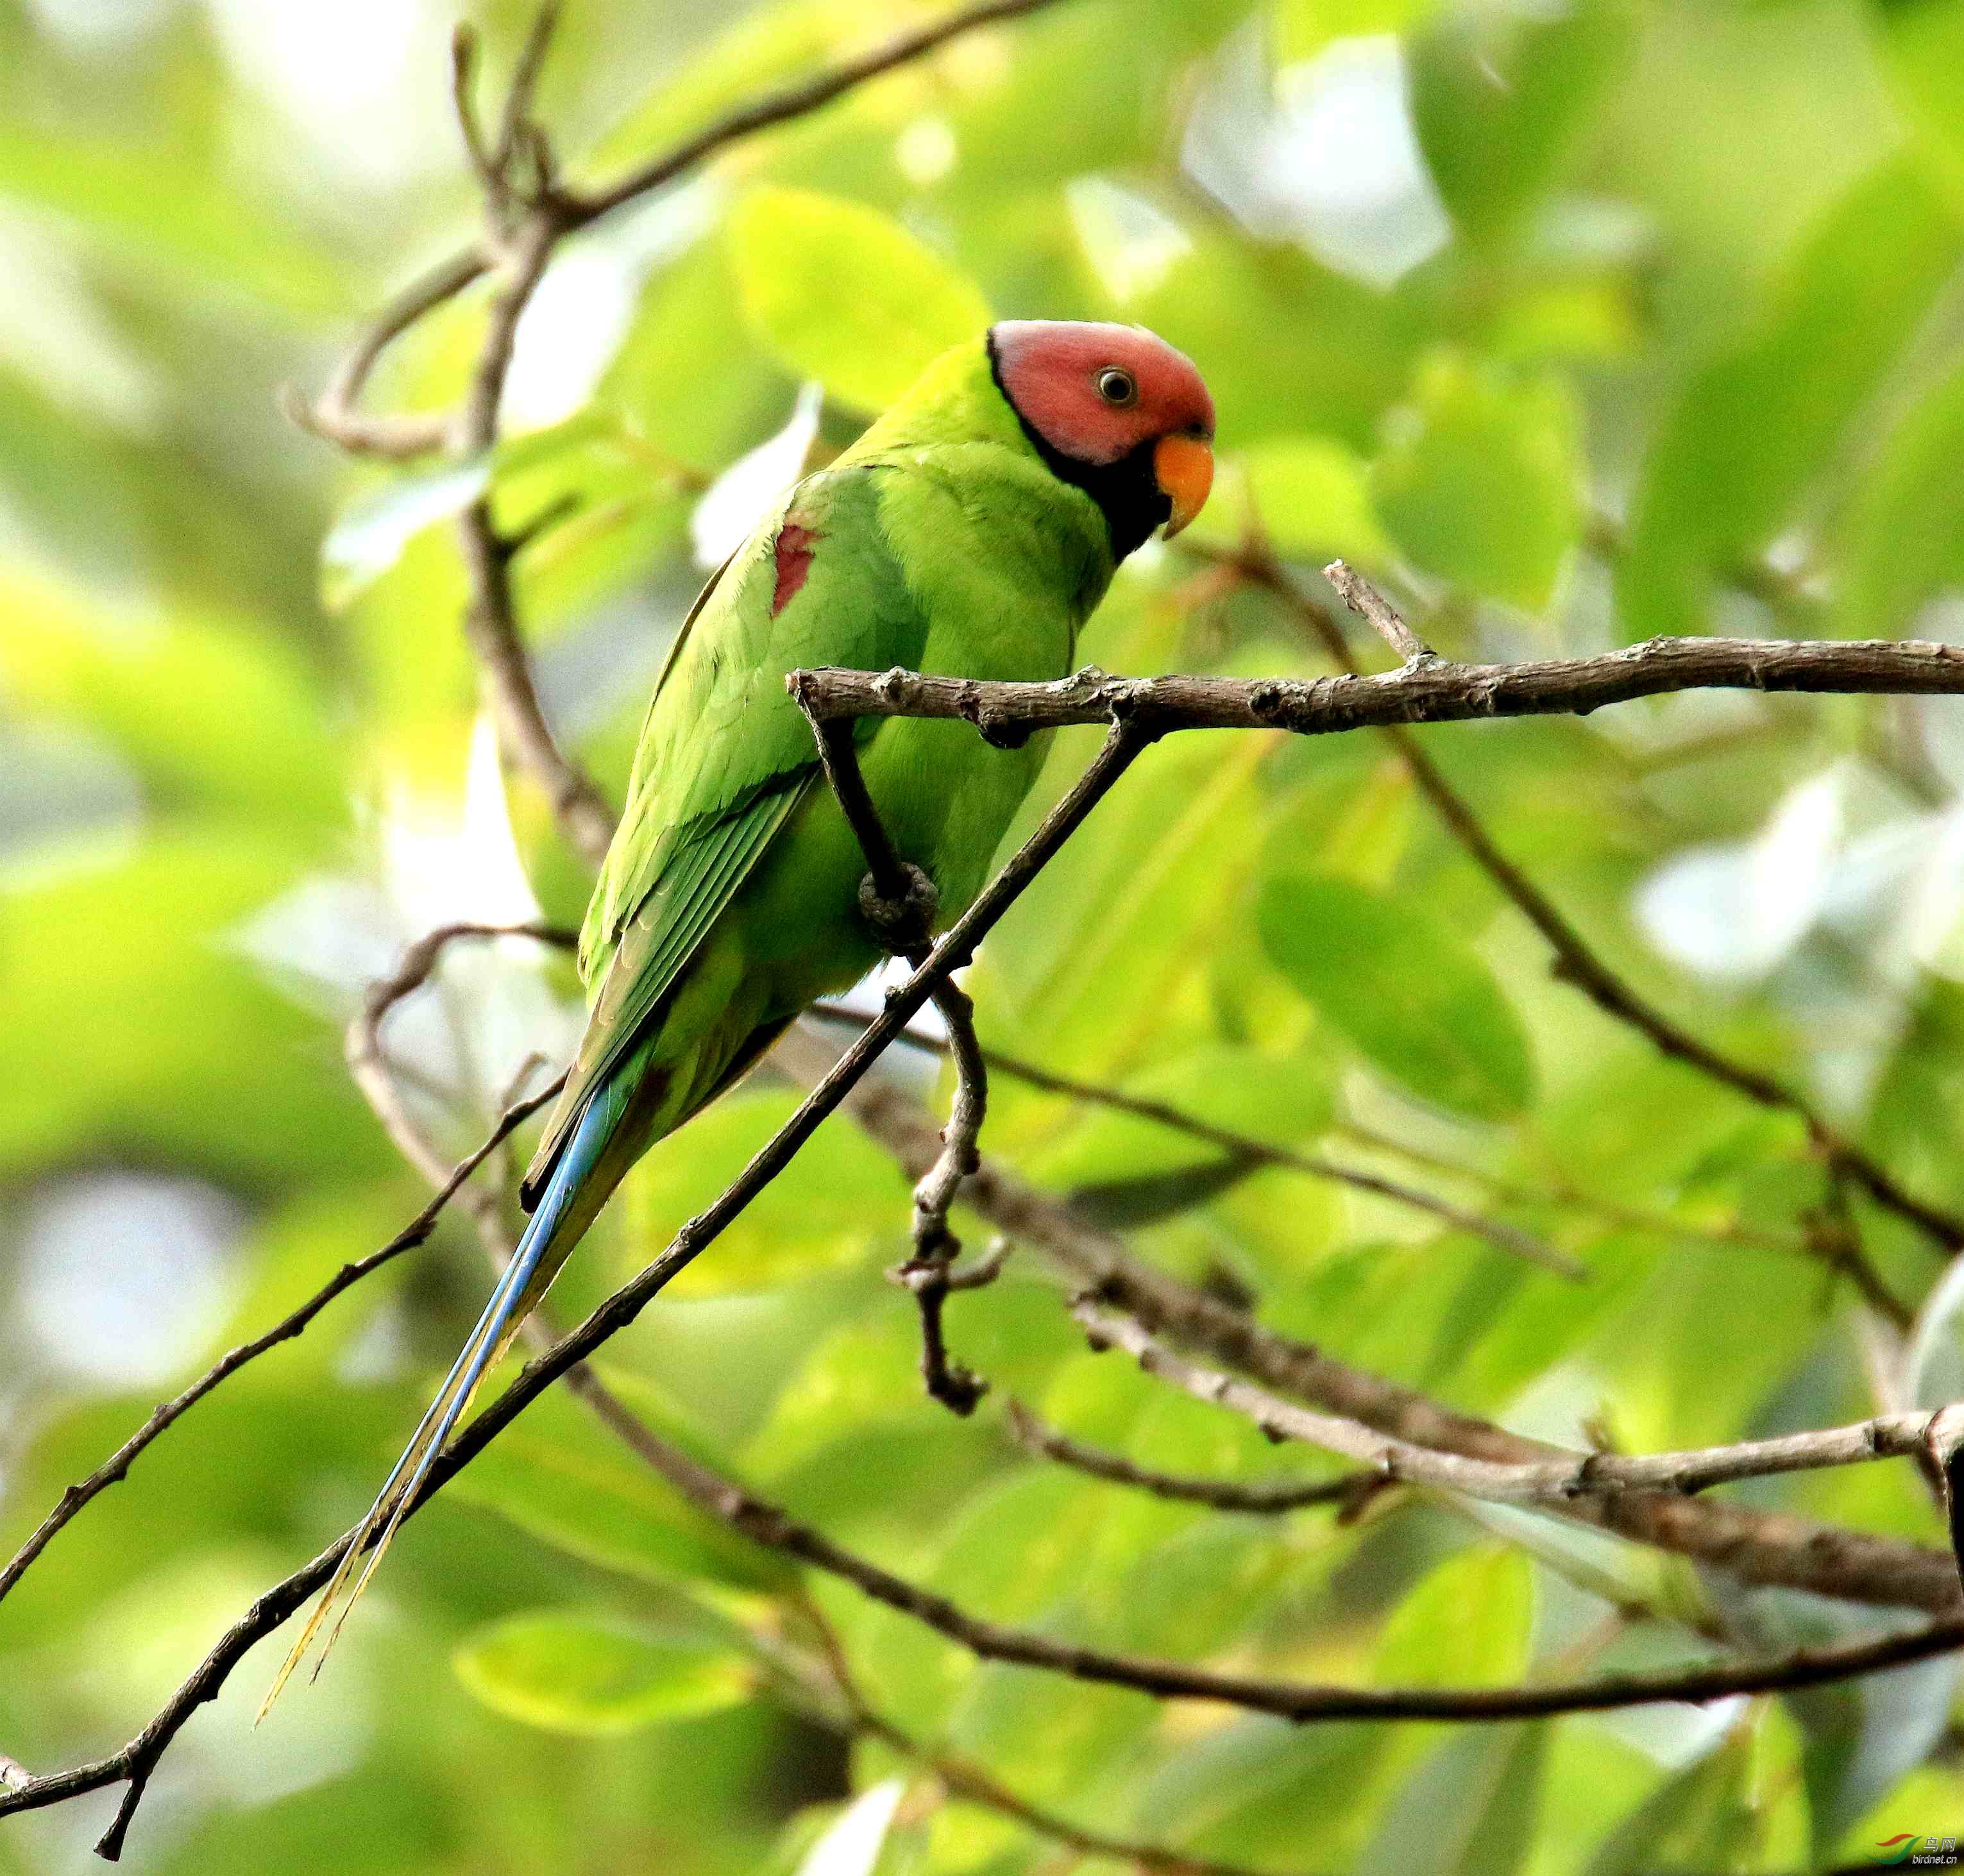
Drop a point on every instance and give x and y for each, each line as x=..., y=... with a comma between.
x=1481, y=476
x=557, y=1476
x=1703, y=1819
x=1310, y=495
x=852, y=1845
x=1922, y=43
x=1262, y=1790
x=841, y=1201
x=1755, y=427
x=1467, y=1624
x=596, y=505
x=214, y=715
x=689, y=378
x=1108, y=960
x=1470, y=1810
x=594, y=1676
x=1863, y=1736
x=370, y=534
x=143, y=200
x=1905, y=527
x=1304, y=28
x=133, y=1023
x=1406, y=989
x=1499, y=96
x=844, y=294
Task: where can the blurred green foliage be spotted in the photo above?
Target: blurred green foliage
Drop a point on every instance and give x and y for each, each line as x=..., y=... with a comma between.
x=1581, y=319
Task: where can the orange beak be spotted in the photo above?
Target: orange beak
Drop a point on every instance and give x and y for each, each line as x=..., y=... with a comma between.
x=1184, y=467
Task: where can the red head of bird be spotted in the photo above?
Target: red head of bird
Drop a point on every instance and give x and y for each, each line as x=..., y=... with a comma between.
x=1116, y=410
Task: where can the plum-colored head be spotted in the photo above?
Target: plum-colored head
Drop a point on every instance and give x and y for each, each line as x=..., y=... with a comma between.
x=1116, y=410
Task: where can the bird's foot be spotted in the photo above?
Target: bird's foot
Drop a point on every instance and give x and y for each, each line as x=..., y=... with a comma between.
x=904, y=925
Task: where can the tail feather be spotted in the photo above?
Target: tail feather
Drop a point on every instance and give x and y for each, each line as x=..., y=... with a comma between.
x=542, y=1249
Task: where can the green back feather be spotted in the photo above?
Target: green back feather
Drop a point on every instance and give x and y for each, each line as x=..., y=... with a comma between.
x=726, y=755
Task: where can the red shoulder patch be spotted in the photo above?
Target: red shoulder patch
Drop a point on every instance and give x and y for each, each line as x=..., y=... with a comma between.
x=794, y=547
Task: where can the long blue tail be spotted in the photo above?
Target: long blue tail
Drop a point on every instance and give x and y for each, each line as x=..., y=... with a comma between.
x=487, y=1340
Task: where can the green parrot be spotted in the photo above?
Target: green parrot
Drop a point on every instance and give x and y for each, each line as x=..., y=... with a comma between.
x=970, y=531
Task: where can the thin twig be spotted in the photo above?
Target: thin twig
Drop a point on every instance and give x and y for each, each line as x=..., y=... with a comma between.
x=523, y=87
x=1367, y=602
x=337, y=416
x=362, y=1044
x=926, y=1274
x=491, y=623
x=1255, y=1152
x=1267, y=1496
x=462, y=63
x=1560, y=1480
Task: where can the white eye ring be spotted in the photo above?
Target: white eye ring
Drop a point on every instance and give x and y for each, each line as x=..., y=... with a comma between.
x=1116, y=387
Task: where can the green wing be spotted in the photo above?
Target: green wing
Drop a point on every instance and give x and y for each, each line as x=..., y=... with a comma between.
x=726, y=755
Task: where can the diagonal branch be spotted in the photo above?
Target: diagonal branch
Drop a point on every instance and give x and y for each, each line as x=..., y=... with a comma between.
x=116, y=1467
x=134, y=1764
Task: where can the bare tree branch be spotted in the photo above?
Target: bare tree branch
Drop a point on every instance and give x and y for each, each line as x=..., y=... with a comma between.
x=1561, y=1480
x=767, y=1524
x=1445, y=690
x=1268, y=1496
x=1754, y=1547
x=335, y=415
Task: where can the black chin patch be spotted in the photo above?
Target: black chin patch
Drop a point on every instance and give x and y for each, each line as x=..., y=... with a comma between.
x=1127, y=491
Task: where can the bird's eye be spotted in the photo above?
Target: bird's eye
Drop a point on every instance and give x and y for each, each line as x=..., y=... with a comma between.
x=1117, y=387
